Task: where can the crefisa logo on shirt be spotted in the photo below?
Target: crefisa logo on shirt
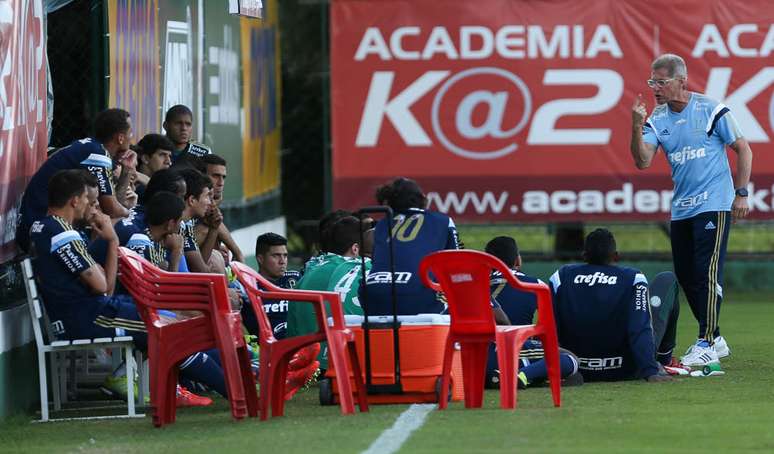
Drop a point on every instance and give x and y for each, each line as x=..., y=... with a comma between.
x=686, y=154
x=596, y=278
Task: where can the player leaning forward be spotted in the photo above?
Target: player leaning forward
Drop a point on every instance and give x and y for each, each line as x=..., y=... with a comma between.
x=694, y=131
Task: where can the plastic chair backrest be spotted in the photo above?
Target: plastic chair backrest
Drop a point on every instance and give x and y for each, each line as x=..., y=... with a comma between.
x=268, y=290
x=463, y=277
x=159, y=289
x=249, y=278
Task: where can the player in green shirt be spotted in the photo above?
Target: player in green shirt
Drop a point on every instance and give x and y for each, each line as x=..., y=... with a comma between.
x=346, y=278
x=344, y=246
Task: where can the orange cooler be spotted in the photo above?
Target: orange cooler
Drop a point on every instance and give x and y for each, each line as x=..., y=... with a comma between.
x=422, y=340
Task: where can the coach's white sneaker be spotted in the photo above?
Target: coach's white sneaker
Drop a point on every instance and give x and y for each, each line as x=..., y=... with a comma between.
x=701, y=354
x=721, y=347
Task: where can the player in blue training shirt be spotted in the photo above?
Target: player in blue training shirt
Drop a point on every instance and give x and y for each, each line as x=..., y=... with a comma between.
x=271, y=251
x=153, y=232
x=178, y=124
x=77, y=290
x=694, y=131
x=602, y=315
x=416, y=233
x=197, y=206
x=113, y=134
x=154, y=153
x=520, y=307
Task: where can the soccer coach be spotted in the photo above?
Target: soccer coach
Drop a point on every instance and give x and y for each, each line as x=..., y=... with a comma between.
x=694, y=130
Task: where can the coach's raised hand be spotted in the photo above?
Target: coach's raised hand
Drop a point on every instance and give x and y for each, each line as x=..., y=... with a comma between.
x=639, y=112
x=642, y=152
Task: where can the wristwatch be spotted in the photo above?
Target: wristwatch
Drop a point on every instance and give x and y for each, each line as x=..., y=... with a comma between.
x=741, y=192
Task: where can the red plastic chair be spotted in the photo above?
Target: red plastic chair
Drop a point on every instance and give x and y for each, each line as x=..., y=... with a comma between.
x=275, y=354
x=463, y=276
x=170, y=343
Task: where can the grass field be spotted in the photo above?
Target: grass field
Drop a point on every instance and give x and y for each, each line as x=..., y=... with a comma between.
x=732, y=413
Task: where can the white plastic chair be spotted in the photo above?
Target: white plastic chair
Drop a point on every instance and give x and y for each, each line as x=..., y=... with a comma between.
x=47, y=343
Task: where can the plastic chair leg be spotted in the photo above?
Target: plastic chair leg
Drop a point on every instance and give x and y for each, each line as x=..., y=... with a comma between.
x=232, y=375
x=474, y=357
x=362, y=398
x=551, y=355
x=248, y=382
x=279, y=375
x=265, y=382
x=336, y=348
x=448, y=356
x=506, y=361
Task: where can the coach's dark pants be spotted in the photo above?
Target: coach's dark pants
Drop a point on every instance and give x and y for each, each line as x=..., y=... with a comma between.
x=698, y=251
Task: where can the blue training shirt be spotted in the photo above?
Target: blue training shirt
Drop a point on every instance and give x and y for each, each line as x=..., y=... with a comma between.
x=603, y=316
x=59, y=257
x=276, y=310
x=85, y=154
x=694, y=142
x=415, y=233
x=519, y=305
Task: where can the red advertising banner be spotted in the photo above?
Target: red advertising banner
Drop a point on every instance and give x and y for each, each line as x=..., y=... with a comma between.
x=23, y=134
x=520, y=111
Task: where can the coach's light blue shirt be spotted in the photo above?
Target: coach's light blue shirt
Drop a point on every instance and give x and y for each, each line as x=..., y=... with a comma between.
x=694, y=142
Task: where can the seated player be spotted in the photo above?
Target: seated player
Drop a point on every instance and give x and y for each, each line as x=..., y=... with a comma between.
x=154, y=153
x=271, y=251
x=272, y=254
x=77, y=291
x=215, y=168
x=113, y=134
x=602, y=314
x=344, y=245
x=73, y=285
x=520, y=307
x=198, y=202
x=416, y=233
x=178, y=124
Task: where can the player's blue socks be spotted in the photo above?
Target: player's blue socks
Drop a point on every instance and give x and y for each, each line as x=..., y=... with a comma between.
x=537, y=371
x=202, y=368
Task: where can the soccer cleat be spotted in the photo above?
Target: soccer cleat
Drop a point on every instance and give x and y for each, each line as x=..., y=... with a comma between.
x=186, y=398
x=115, y=387
x=675, y=367
x=304, y=357
x=522, y=382
x=296, y=379
x=721, y=347
x=701, y=354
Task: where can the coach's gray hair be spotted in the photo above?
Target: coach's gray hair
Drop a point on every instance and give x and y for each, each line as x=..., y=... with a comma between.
x=672, y=63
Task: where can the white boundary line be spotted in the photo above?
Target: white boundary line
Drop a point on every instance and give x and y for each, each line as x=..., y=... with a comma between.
x=392, y=439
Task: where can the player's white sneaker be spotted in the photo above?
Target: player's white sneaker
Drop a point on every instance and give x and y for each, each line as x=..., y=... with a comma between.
x=700, y=355
x=721, y=347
